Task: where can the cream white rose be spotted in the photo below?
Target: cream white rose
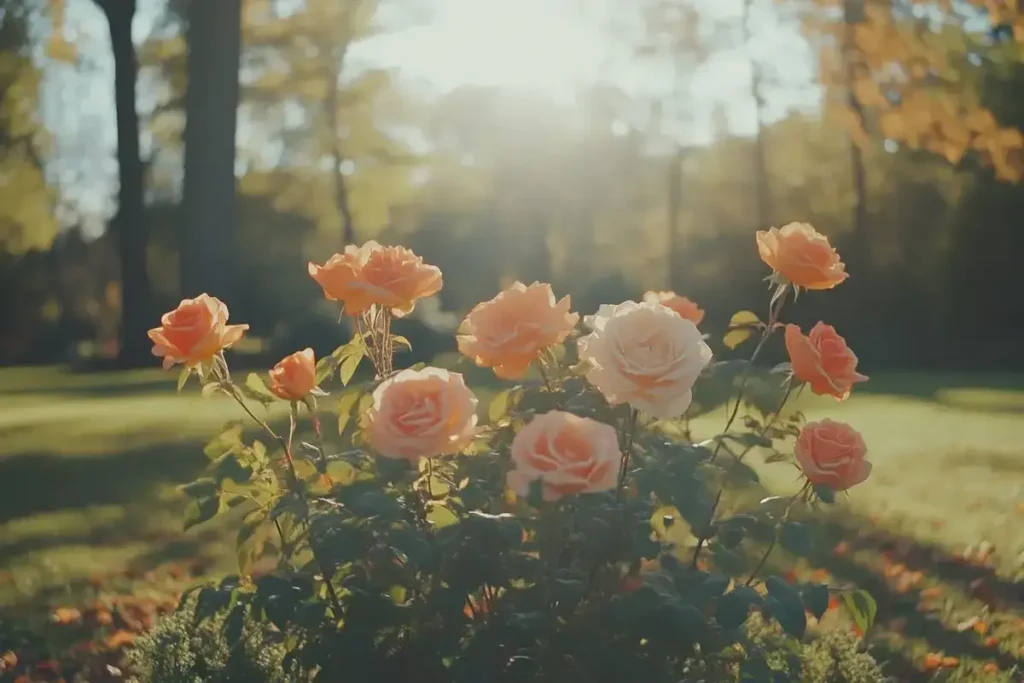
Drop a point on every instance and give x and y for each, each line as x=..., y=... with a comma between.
x=646, y=355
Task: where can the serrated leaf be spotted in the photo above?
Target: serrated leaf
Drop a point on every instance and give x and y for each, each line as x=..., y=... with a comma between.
x=862, y=608
x=501, y=404
x=796, y=538
x=816, y=599
x=255, y=389
x=229, y=440
x=348, y=367
x=201, y=510
x=440, y=516
x=346, y=406
x=200, y=488
x=250, y=542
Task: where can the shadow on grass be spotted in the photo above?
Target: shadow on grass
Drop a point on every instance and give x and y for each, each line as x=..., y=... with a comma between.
x=894, y=604
x=40, y=482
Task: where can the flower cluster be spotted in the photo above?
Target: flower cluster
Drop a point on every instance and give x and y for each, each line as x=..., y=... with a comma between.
x=580, y=442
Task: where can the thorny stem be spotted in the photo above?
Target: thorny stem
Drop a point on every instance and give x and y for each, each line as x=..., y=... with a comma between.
x=629, y=433
x=778, y=529
x=320, y=442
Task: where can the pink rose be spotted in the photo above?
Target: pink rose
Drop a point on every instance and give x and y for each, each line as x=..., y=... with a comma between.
x=568, y=454
x=421, y=414
x=832, y=454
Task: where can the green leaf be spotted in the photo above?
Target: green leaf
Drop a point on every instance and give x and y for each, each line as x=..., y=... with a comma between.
x=730, y=535
x=255, y=389
x=825, y=494
x=250, y=542
x=796, y=538
x=200, y=488
x=228, y=466
x=347, y=402
x=862, y=608
x=201, y=510
x=348, y=367
x=502, y=403
x=211, y=388
x=816, y=599
x=780, y=590
x=716, y=584
x=227, y=441
x=234, y=625
x=183, y=377
x=401, y=343
x=734, y=607
x=790, y=615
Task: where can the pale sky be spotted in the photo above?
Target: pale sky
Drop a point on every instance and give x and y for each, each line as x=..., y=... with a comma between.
x=550, y=46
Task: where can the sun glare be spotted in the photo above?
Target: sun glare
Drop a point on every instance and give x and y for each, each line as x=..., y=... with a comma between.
x=532, y=44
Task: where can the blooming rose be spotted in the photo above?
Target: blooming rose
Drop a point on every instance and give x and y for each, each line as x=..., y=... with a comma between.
x=679, y=304
x=567, y=453
x=832, y=454
x=295, y=376
x=392, y=277
x=823, y=360
x=421, y=413
x=801, y=255
x=194, y=332
x=645, y=355
x=511, y=330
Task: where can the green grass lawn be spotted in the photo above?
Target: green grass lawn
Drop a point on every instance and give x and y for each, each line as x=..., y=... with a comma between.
x=89, y=465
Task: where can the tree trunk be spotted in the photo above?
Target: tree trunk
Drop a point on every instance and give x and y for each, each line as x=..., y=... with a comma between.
x=675, y=206
x=853, y=13
x=211, y=106
x=761, y=179
x=341, y=197
x=130, y=221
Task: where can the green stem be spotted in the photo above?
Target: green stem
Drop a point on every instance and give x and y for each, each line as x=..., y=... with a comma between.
x=778, y=531
x=628, y=435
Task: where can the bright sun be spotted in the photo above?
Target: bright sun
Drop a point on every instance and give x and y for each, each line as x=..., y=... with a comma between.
x=542, y=44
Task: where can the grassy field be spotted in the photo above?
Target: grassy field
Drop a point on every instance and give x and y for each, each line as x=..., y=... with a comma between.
x=89, y=515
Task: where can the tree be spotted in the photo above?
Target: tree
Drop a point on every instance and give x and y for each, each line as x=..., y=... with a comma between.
x=130, y=221
x=209, y=215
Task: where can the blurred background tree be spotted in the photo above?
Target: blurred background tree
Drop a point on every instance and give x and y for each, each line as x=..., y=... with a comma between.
x=609, y=148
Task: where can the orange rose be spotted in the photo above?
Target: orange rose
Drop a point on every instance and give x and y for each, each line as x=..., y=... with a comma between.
x=823, y=360
x=511, y=330
x=567, y=453
x=833, y=454
x=420, y=414
x=680, y=304
x=194, y=332
x=392, y=277
x=339, y=276
x=295, y=376
x=802, y=256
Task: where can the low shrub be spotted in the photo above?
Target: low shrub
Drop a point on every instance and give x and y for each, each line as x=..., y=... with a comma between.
x=575, y=533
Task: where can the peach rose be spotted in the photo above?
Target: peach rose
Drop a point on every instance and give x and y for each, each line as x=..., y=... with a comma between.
x=801, y=255
x=420, y=414
x=679, y=304
x=832, y=454
x=567, y=453
x=295, y=376
x=511, y=330
x=645, y=355
x=823, y=360
x=339, y=276
x=194, y=332
x=392, y=277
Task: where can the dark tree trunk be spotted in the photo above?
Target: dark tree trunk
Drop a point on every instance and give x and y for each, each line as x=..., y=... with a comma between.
x=130, y=221
x=211, y=106
x=342, y=200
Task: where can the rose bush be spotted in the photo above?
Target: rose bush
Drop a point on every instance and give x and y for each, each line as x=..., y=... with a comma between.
x=568, y=533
